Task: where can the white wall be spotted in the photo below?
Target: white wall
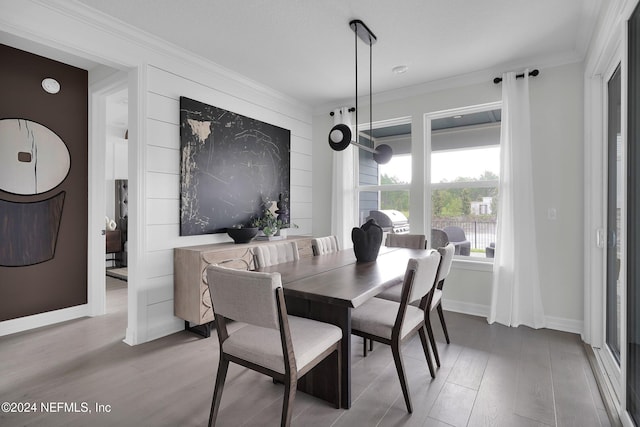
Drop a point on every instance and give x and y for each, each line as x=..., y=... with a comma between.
x=556, y=120
x=558, y=148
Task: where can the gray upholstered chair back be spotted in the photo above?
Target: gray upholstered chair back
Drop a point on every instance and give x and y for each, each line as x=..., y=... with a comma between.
x=424, y=279
x=455, y=233
x=122, y=204
x=324, y=245
x=413, y=241
x=446, y=253
x=439, y=238
x=267, y=255
x=244, y=296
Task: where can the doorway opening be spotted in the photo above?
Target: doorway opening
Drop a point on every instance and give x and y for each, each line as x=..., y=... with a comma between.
x=117, y=184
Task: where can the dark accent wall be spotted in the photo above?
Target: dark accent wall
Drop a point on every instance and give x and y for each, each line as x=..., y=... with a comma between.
x=62, y=281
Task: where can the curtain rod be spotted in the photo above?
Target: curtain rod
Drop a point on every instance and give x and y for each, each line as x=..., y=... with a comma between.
x=351, y=110
x=532, y=73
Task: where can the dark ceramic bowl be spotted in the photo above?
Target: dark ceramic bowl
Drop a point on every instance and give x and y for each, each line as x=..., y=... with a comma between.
x=242, y=235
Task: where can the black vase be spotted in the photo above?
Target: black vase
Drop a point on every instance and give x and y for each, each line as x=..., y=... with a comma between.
x=242, y=235
x=367, y=241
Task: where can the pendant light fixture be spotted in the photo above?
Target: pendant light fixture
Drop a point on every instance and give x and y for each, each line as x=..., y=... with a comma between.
x=340, y=135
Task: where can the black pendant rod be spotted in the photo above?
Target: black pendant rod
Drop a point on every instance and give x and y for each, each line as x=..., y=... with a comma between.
x=357, y=136
x=532, y=73
x=340, y=135
x=371, y=93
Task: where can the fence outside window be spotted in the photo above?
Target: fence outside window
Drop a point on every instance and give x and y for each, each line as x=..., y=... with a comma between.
x=479, y=233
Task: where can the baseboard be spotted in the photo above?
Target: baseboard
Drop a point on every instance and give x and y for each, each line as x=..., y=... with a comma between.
x=463, y=307
x=43, y=319
x=168, y=328
x=473, y=309
x=564, y=325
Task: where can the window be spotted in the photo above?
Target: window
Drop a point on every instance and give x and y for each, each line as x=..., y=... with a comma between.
x=385, y=187
x=464, y=179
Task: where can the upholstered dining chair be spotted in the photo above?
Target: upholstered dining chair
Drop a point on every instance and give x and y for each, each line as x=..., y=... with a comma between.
x=413, y=241
x=324, y=245
x=459, y=239
x=272, y=343
x=267, y=255
x=447, y=259
x=392, y=323
x=394, y=293
x=439, y=238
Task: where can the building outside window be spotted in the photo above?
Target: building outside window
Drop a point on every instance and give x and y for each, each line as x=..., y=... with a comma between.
x=385, y=187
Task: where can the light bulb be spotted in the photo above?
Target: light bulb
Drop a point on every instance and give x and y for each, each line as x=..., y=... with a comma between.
x=336, y=135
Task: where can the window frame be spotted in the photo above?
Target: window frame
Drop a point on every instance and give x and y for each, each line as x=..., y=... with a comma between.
x=470, y=262
x=356, y=167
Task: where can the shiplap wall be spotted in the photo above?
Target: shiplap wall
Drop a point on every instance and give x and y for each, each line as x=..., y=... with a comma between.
x=163, y=181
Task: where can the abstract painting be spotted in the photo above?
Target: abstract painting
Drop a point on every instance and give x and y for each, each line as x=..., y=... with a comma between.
x=230, y=165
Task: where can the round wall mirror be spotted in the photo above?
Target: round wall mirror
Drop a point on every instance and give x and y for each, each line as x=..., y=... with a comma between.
x=33, y=159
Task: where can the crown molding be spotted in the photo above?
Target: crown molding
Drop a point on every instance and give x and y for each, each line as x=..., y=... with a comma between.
x=606, y=37
x=131, y=35
x=588, y=25
x=472, y=78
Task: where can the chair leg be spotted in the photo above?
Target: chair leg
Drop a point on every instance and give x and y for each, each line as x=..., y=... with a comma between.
x=432, y=340
x=425, y=348
x=397, y=358
x=364, y=346
x=223, y=367
x=290, y=385
x=338, y=390
x=444, y=325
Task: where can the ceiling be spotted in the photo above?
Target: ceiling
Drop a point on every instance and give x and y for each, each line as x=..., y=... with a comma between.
x=305, y=48
x=472, y=119
x=117, y=112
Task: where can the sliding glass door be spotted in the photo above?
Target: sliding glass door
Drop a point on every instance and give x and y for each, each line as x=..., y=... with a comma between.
x=633, y=219
x=615, y=200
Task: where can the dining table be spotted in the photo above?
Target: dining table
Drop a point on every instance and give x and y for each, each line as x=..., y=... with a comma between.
x=326, y=288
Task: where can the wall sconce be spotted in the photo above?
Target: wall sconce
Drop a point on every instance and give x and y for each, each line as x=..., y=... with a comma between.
x=340, y=135
x=50, y=85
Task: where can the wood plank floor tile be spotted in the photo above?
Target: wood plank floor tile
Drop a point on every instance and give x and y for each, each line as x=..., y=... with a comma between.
x=574, y=402
x=469, y=368
x=424, y=392
x=453, y=405
x=534, y=394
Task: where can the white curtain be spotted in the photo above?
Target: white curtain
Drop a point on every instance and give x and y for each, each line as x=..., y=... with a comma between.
x=516, y=298
x=343, y=188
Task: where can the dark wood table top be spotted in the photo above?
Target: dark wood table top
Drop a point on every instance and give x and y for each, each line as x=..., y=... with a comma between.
x=337, y=279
